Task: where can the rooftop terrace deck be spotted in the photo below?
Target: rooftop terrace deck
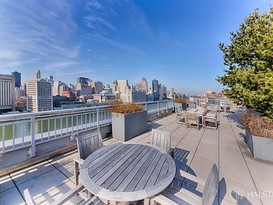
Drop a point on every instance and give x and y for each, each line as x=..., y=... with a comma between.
x=243, y=180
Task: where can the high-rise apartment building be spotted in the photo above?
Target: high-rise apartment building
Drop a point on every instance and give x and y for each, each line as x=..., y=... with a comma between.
x=82, y=88
x=97, y=86
x=17, y=78
x=39, y=94
x=144, y=84
x=7, y=93
x=155, y=88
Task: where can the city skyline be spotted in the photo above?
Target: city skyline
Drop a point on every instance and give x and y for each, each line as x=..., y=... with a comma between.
x=174, y=42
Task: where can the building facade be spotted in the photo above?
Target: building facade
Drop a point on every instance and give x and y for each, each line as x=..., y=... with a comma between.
x=144, y=84
x=17, y=78
x=39, y=95
x=155, y=88
x=7, y=93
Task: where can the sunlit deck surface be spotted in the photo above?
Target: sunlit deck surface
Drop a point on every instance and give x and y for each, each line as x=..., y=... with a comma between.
x=241, y=177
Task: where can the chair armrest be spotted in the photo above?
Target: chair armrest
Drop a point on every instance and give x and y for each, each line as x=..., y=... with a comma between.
x=163, y=200
x=68, y=195
x=79, y=161
x=192, y=178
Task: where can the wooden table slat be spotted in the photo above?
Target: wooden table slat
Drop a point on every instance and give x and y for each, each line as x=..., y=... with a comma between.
x=163, y=172
x=120, y=175
x=132, y=185
x=97, y=172
x=148, y=173
x=156, y=172
x=132, y=176
x=100, y=157
x=116, y=164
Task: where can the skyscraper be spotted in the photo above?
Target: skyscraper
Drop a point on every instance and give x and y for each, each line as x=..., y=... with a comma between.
x=144, y=84
x=39, y=94
x=38, y=74
x=17, y=77
x=7, y=92
x=155, y=88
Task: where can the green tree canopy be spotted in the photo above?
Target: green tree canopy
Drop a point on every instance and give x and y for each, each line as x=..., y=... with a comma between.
x=249, y=58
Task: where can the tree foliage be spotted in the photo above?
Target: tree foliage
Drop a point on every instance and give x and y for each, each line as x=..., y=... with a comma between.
x=249, y=57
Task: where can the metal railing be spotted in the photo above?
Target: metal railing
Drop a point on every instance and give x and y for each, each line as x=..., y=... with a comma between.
x=19, y=131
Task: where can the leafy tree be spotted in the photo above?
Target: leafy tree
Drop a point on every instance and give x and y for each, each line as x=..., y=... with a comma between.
x=249, y=57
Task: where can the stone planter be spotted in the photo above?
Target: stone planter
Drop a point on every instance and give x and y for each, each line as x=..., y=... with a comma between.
x=260, y=147
x=182, y=105
x=127, y=126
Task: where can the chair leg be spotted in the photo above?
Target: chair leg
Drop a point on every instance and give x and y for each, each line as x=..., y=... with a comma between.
x=147, y=201
x=76, y=172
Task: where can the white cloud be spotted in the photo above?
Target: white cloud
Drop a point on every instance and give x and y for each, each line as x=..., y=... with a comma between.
x=37, y=29
x=9, y=54
x=63, y=64
x=75, y=72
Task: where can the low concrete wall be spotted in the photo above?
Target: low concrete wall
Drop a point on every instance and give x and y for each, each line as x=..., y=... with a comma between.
x=19, y=159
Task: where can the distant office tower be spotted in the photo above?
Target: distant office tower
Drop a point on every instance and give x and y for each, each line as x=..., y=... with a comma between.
x=163, y=93
x=138, y=86
x=83, y=80
x=50, y=79
x=123, y=86
x=59, y=87
x=155, y=88
x=7, y=91
x=38, y=74
x=17, y=77
x=144, y=84
x=114, y=87
x=97, y=87
x=39, y=94
x=82, y=87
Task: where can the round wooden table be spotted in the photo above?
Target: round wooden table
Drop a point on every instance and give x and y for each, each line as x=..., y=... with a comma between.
x=127, y=172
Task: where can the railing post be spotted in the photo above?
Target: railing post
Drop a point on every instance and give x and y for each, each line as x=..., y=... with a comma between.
x=146, y=106
x=32, y=150
x=158, y=108
x=167, y=110
x=98, y=117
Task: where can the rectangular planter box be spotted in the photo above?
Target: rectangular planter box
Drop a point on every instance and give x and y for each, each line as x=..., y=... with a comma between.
x=260, y=147
x=125, y=127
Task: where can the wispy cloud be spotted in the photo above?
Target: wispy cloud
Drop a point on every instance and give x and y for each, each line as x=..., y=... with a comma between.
x=115, y=15
x=37, y=29
x=114, y=43
x=60, y=65
x=9, y=54
x=75, y=72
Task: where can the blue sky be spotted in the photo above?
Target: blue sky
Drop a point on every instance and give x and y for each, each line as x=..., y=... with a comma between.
x=174, y=41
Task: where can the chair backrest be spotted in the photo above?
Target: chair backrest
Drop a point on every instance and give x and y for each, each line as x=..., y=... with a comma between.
x=88, y=144
x=161, y=139
x=191, y=116
x=28, y=197
x=211, y=186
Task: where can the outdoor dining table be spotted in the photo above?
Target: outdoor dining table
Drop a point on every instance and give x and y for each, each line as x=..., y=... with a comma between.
x=127, y=171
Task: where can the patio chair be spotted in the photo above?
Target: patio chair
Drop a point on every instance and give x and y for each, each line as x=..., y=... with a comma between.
x=162, y=139
x=192, y=119
x=86, y=144
x=211, y=120
x=173, y=196
x=180, y=116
